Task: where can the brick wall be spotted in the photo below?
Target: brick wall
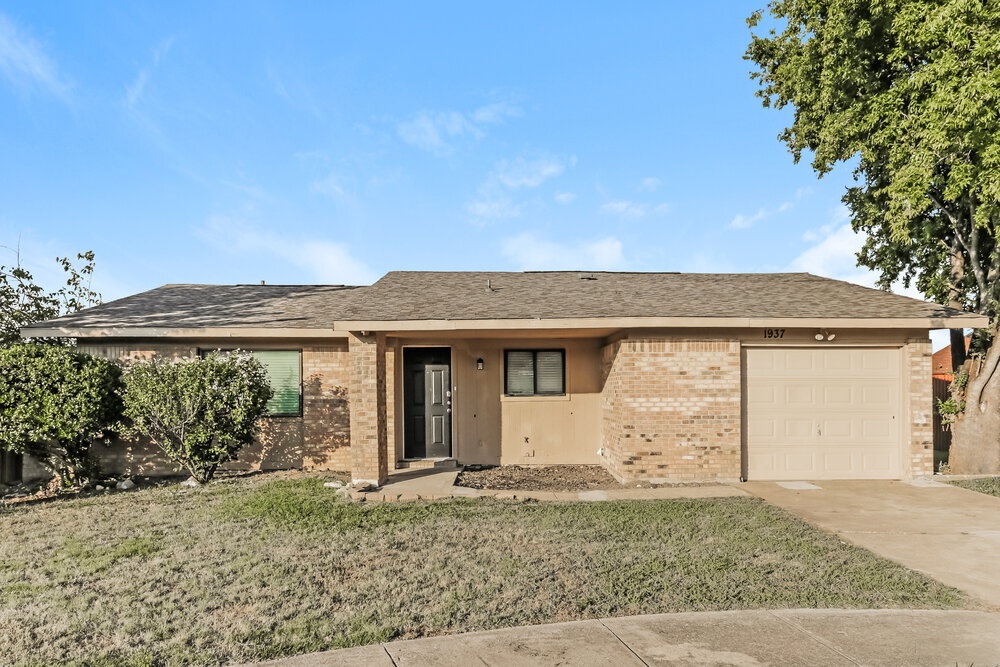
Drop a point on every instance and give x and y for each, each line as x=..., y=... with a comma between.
x=319, y=440
x=672, y=409
x=369, y=432
x=918, y=364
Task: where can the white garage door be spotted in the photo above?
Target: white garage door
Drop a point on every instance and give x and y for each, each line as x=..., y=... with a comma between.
x=822, y=413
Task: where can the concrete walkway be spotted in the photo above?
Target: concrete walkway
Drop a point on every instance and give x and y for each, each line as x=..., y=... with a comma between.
x=795, y=637
x=409, y=485
x=949, y=533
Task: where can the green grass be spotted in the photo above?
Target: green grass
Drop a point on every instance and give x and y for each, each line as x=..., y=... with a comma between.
x=988, y=485
x=261, y=569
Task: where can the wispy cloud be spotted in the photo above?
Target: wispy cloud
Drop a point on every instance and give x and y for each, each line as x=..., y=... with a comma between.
x=326, y=261
x=437, y=132
x=529, y=252
x=289, y=85
x=26, y=65
x=744, y=221
x=495, y=208
x=528, y=173
x=630, y=209
x=494, y=197
x=330, y=186
x=650, y=184
x=305, y=156
x=564, y=197
x=135, y=90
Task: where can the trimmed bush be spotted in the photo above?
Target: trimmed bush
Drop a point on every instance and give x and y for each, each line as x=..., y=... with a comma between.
x=54, y=402
x=199, y=411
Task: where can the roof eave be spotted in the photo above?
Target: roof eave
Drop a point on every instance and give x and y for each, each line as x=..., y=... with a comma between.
x=340, y=329
x=965, y=320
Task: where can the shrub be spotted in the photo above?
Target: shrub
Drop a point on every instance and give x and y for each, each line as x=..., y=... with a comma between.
x=199, y=411
x=953, y=407
x=54, y=402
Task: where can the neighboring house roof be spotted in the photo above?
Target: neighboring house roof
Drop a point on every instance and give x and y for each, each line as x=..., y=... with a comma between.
x=278, y=306
x=409, y=296
x=941, y=361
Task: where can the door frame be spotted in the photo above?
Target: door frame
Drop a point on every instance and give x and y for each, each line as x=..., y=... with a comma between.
x=903, y=406
x=400, y=382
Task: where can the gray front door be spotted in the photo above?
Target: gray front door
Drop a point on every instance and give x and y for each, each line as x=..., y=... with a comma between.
x=427, y=402
x=437, y=409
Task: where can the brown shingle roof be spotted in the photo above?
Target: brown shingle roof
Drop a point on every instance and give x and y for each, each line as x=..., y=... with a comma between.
x=477, y=295
x=427, y=295
x=278, y=306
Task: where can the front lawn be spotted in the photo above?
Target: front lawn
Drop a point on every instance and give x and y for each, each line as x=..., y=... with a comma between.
x=255, y=569
x=988, y=485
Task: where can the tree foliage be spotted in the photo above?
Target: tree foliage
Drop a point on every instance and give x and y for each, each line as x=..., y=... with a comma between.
x=23, y=301
x=54, y=402
x=199, y=411
x=911, y=90
x=908, y=91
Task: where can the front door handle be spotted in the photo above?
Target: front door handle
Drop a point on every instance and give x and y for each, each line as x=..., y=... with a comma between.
x=448, y=410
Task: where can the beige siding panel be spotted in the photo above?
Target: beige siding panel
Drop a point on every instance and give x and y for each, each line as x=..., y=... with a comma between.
x=489, y=428
x=823, y=413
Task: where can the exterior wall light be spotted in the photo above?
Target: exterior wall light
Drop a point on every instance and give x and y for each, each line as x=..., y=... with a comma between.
x=479, y=364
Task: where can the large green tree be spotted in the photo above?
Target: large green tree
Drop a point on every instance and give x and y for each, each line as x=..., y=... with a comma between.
x=908, y=92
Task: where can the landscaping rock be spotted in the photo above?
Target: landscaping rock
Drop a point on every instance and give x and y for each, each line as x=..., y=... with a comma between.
x=364, y=487
x=190, y=481
x=333, y=485
x=125, y=485
x=98, y=488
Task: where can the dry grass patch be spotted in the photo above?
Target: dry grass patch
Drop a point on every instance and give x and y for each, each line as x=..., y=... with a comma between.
x=257, y=569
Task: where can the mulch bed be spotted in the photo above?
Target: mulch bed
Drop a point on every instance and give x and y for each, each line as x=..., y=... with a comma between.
x=545, y=478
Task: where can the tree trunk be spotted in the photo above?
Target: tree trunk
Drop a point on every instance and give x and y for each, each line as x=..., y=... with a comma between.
x=975, y=446
x=958, y=352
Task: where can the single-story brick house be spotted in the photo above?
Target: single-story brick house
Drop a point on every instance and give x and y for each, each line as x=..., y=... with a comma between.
x=655, y=376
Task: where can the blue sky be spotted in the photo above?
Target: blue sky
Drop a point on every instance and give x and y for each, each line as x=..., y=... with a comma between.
x=331, y=142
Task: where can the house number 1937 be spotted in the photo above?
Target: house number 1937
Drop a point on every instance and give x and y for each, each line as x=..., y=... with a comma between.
x=774, y=333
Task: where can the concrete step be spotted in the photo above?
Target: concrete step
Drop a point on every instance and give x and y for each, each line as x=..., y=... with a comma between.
x=424, y=464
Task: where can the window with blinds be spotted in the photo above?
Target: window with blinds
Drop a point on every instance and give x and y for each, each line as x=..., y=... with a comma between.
x=284, y=373
x=535, y=372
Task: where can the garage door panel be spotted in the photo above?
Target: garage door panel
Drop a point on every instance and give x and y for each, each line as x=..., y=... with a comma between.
x=822, y=413
x=835, y=462
x=800, y=462
x=838, y=394
x=798, y=429
x=876, y=429
x=761, y=429
x=877, y=394
x=800, y=394
x=838, y=428
x=762, y=395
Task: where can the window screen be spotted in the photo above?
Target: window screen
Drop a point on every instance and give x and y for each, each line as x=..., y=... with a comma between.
x=284, y=374
x=535, y=372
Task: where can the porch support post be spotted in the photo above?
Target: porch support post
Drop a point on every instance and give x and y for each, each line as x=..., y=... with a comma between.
x=369, y=440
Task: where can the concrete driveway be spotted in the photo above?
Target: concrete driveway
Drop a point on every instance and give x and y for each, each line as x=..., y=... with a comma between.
x=949, y=533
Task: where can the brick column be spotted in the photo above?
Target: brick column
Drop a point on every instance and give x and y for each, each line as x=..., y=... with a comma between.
x=369, y=442
x=920, y=399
